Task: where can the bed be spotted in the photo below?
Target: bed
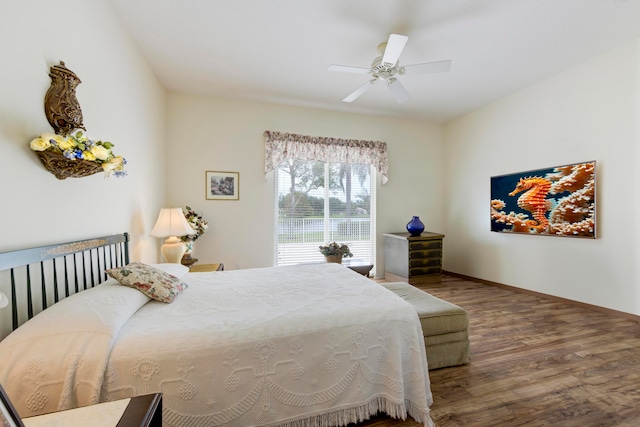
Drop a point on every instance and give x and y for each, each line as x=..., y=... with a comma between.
x=302, y=345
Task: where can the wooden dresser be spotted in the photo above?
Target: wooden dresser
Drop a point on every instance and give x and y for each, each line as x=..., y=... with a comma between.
x=416, y=260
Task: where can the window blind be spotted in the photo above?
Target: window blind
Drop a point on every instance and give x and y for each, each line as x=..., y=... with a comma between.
x=317, y=203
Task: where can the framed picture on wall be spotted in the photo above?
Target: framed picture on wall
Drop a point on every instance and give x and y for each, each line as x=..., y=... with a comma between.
x=8, y=414
x=222, y=185
x=555, y=201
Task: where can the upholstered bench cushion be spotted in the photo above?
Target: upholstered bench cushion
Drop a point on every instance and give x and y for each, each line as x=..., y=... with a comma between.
x=436, y=316
x=444, y=325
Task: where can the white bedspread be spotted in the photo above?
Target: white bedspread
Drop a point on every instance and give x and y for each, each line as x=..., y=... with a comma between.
x=303, y=345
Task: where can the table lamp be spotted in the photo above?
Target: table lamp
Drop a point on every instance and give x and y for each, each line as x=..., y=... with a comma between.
x=172, y=224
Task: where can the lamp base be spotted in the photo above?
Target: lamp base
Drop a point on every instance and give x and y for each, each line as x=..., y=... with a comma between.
x=173, y=249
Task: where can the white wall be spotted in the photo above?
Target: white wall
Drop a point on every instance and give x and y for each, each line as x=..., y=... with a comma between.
x=206, y=133
x=122, y=101
x=590, y=112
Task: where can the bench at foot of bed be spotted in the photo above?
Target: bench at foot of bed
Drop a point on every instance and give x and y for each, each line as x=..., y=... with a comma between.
x=444, y=325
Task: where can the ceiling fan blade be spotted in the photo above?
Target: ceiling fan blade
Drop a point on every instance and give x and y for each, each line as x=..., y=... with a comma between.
x=356, y=93
x=428, y=67
x=394, y=48
x=399, y=92
x=348, y=69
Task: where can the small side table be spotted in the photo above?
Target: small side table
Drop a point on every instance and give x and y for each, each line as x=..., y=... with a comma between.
x=144, y=411
x=358, y=265
x=206, y=267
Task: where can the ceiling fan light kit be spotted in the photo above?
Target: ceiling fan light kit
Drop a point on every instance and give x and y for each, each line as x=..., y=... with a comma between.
x=385, y=67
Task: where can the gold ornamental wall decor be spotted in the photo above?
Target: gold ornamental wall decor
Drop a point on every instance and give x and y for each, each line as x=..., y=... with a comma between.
x=63, y=168
x=69, y=153
x=60, y=103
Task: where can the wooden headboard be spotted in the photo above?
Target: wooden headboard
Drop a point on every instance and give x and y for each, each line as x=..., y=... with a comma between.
x=36, y=278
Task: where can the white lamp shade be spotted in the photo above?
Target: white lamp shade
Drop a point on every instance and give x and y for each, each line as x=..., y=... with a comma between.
x=171, y=222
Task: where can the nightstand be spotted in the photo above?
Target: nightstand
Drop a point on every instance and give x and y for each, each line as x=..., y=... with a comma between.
x=141, y=411
x=206, y=267
x=358, y=266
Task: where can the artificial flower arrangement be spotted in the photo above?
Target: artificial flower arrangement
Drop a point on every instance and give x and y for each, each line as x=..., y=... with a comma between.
x=77, y=146
x=196, y=222
x=334, y=248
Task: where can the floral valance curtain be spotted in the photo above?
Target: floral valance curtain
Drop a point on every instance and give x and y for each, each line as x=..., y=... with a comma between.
x=281, y=146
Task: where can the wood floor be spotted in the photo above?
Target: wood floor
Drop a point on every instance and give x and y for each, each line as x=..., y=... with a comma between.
x=535, y=362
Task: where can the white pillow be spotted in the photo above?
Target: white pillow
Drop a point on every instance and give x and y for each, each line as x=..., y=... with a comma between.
x=177, y=270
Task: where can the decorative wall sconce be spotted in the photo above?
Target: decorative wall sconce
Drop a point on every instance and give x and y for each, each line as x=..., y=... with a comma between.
x=70, y=153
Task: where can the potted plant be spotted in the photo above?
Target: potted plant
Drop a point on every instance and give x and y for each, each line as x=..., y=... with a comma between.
x=334, y=252
x=196, y=222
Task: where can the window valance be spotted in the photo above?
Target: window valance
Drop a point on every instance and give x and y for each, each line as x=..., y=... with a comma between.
x=280, y=146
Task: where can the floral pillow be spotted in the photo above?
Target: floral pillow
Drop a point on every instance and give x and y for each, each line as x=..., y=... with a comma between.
x=152, y=282
x=177, y=270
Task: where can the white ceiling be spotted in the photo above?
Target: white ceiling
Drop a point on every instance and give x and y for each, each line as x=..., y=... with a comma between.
x=278, y=50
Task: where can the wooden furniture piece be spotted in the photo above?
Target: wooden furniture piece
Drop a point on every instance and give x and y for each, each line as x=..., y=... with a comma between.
x=206, y=267
x=413, y=259
x=8, y=414
x=142, y=411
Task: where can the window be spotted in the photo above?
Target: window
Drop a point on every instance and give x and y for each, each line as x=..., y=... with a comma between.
x=325, y=192
x=318, y=202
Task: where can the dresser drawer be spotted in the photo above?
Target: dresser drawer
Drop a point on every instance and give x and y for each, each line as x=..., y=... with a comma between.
x=425, y=262
x=425, y=245
x=424, y=271
x=433, y=253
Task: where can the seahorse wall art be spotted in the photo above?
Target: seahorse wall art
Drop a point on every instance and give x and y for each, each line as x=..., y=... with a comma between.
x=557, y=201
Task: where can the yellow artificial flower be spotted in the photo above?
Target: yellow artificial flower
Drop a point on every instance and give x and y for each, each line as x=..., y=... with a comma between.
x=115, y=164
x=118, y=161
x=66, y=143
x=40, y=144
x=59, y=138
x=88, y=155
x=100, y=152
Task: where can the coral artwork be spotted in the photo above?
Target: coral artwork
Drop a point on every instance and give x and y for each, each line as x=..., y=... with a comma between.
x=558, y=201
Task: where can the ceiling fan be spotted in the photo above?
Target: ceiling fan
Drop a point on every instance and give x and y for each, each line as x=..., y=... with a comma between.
x=386, y=67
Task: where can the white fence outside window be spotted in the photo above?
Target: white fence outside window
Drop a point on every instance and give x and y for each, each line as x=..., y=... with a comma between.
x=295, y=246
